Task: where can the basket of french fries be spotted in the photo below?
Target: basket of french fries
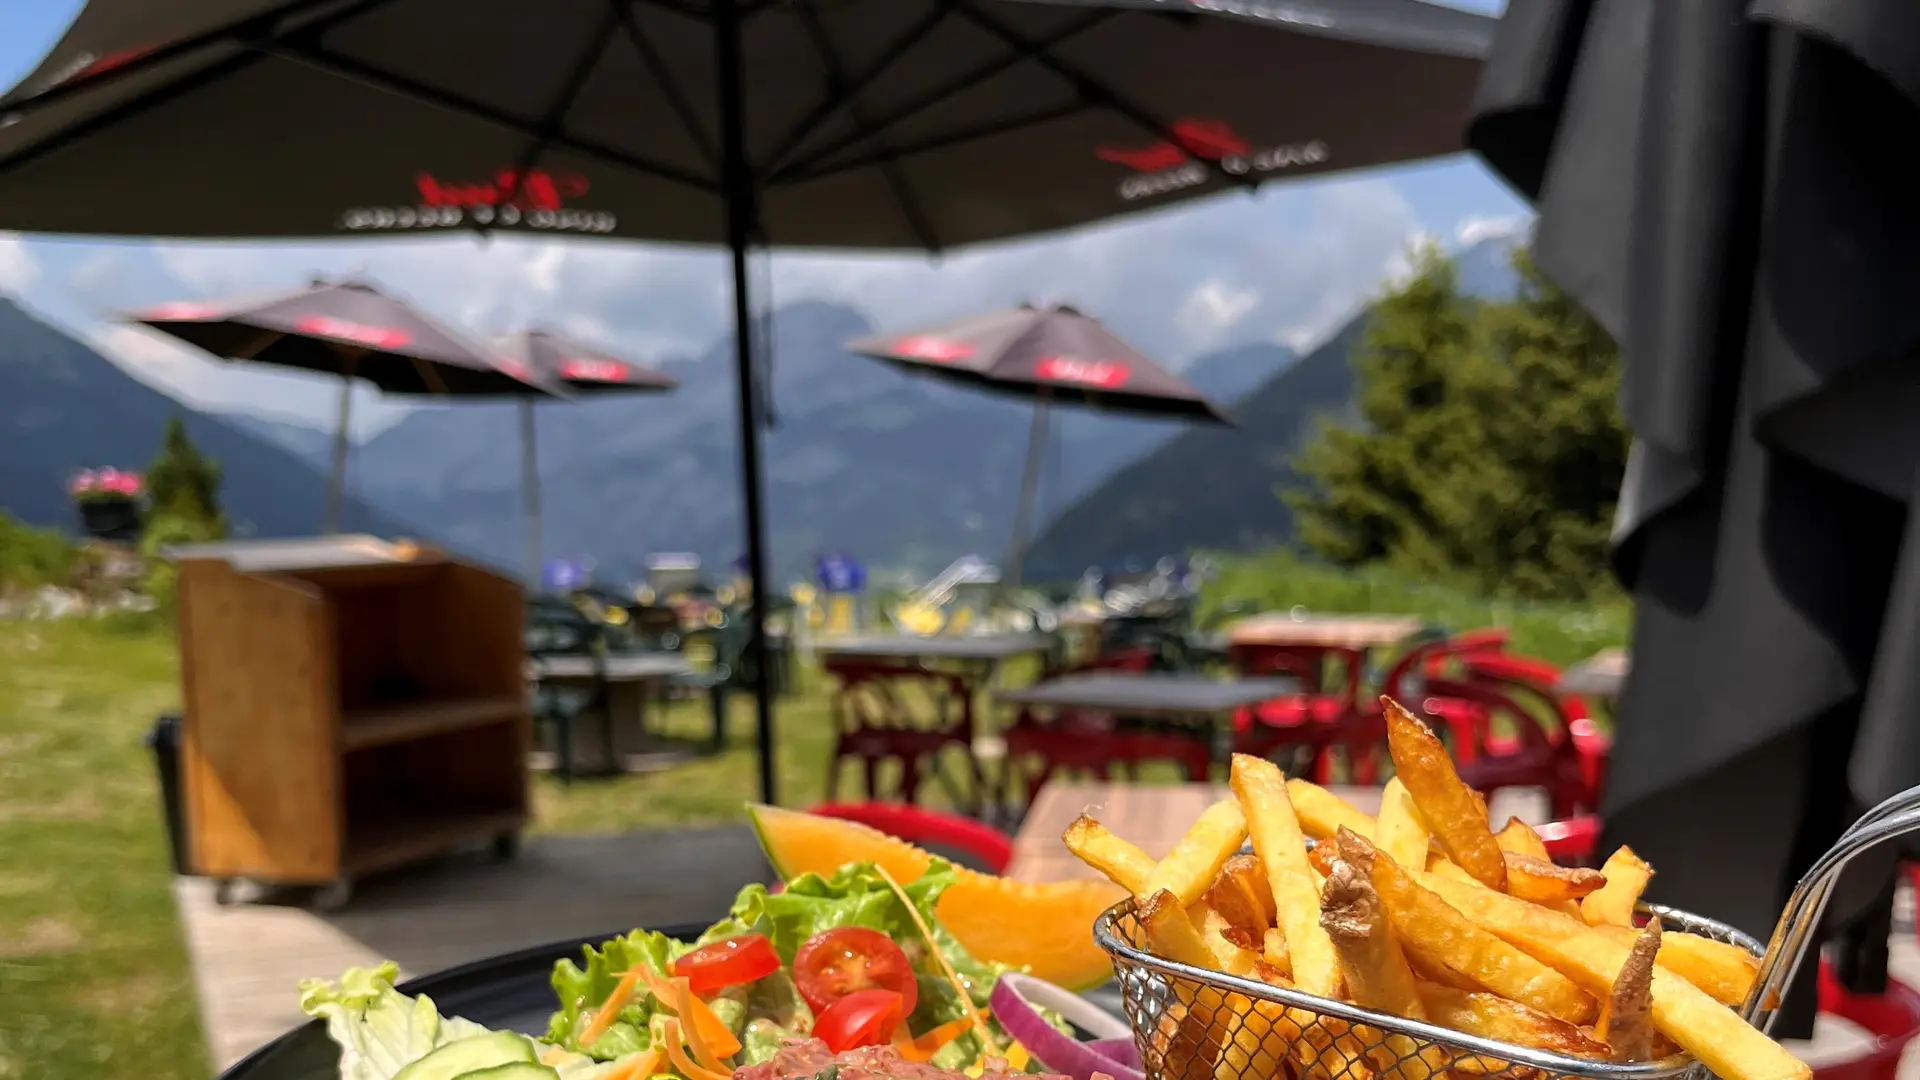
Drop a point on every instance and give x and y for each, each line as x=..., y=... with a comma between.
x=1290, y=935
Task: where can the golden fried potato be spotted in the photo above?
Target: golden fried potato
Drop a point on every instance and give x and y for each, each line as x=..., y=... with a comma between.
x=1351, y=913
x=1592, y=957
x=1323, y=814
x=1543, y=882
x=1613, y=903
x=1491, y=1016
x=1442, y=939
x=1242, y=894
x=1455, y=812
x=1398, y=830
x=1517, y=837
x=1195, y=861
x=1123, y=864
x=1725, y=972
x=1282, y=851
x=1628, y=1025
x=1320, y=857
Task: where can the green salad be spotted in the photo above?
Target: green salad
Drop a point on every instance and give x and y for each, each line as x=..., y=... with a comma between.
x=855, y=959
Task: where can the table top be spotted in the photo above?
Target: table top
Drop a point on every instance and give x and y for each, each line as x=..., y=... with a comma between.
x=1149, y=693
x=1601, y=675
x=943, y=647
x=635, y=667
x=1326, y=631
x=1155, y=816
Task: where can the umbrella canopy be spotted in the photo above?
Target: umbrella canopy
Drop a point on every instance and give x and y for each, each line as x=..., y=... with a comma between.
x=1045, y=355
x=1054, y=354
x=919, y=124
x=1726, y=186
x=353, y=330
x=582, y=369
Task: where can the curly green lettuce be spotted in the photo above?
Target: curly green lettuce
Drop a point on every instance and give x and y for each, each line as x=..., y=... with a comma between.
x=379, y=1029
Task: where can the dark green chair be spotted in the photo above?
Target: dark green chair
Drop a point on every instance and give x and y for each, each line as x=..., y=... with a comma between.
x=557, y=628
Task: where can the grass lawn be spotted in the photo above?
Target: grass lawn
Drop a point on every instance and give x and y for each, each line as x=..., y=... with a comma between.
x=93, y=975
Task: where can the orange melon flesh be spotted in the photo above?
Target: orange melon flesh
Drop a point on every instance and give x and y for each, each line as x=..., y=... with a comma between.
x=1045, y=927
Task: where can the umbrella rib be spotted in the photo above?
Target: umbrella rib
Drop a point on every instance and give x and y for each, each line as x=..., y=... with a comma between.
x=380, y=79
x=1024, y=50
x=550, y=127
x=165, y=92
x=1093, y=88
x=943, y=141
x=889, y=55
x=910, y=208
x=670, y=89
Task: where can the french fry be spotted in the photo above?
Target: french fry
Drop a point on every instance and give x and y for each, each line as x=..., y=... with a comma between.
x=1273, y=949
x=1181, y=1039
x=1398, y=830
x=1123, y=864
x=1320, y=857
x=1628, y=1025
x=1323, y=814
x=1282, y=850
x=1455, y=812
x=1195, y=861
x=1375, y=970
x=1612, y=904
x=1726, y=973
x=1438, y=937
x=1228, y=953
x=1491, y=1016
x=1591, y=957
x=1543, y=882
x=1517, y=837
x=1241, y=894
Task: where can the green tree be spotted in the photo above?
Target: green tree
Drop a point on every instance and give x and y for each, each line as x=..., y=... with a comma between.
x=184, y=484
x=1490, y=445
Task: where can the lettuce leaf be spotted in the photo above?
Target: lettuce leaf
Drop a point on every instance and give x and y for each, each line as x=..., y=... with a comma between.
x=379, y=1029
x=582, y=989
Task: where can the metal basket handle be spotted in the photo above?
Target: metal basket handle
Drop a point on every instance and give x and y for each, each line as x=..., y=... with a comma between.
x=1787, y=949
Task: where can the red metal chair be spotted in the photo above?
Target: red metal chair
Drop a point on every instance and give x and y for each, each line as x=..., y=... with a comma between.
x=1538, y=761
x=872, y=726
x=1537, y=681
x=1492, y=639
x=988, y=849
x=1892, y=1018
x=1572, y=842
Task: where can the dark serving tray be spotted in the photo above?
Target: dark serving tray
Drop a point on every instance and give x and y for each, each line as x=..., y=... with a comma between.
x=512, y=991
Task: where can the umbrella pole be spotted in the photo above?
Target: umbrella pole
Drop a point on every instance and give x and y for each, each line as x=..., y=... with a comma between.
x=738, y=184
x=1029, y=488
x=530, y=490
x=337, y=481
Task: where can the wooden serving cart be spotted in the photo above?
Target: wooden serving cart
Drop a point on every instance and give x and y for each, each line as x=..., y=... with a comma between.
x=350, y=705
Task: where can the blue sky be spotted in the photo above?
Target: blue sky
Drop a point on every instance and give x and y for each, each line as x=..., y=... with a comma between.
x=1286, y=265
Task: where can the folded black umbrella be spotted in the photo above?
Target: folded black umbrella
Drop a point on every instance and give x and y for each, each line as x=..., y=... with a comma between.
x=904, y=124
x=1729, y=187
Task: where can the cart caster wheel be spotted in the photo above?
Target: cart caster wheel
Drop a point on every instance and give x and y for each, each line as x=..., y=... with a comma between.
x=506, y=846
x=333, y=897
x=225, y=892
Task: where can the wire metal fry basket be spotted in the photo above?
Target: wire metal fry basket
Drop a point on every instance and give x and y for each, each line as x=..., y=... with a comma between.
x=1195, y=1024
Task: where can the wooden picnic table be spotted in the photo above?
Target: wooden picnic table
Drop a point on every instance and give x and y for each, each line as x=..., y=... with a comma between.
x=612, y=736
x=1155, y=816
x=1324, y=631
x=971, y=648
x=1601, y=675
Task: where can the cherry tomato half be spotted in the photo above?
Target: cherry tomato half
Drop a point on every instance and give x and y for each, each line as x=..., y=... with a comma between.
x=862, y=1018
x=847, y=959
x=728, y=962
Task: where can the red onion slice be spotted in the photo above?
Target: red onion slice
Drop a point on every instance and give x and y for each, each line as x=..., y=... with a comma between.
x=1016, y=1001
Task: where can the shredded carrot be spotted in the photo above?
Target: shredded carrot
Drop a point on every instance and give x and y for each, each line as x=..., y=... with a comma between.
x=697, y=1014
x=603, y=1018
x=683, y=999
x=929, y=1044
x=966, y=999
x=553, y=1055
x=677, y=1054
x=638, y=1067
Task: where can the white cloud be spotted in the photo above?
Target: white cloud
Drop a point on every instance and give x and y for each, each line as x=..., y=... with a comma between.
x=18, y=268
x=1471, y=229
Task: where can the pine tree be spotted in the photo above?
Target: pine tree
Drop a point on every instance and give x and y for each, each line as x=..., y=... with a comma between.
x=184, y=485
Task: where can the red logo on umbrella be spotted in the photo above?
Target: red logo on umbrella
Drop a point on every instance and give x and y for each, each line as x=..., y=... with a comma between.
x=1206, y=140
x=932, y=348
x=1104, y=374
x=168, y=312
x=536, y=189
x=594, y=370
x=377, y=337
x=515, y=368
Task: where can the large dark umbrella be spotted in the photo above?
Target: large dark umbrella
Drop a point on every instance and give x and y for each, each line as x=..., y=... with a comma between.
x=908, y=124
x=1729, y=187
x=1044, y=355
x=585, y=371
x=353, y=330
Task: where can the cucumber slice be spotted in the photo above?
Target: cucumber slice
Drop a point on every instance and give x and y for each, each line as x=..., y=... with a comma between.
x=518, y=1070
x=463, y=1056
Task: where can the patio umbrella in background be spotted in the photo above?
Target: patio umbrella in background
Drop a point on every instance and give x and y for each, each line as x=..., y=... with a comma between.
x=1729, y=187
x=917, y=125
x=584, y=371
x=350, y=329
x=1044, y=355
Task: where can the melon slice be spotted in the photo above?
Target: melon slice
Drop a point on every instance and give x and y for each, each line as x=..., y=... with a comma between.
x=1045, y=927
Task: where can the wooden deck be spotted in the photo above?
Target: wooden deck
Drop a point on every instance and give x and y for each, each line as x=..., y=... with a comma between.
x=249, y=957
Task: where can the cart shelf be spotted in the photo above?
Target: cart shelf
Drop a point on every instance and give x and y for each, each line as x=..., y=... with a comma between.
x=362, y=729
